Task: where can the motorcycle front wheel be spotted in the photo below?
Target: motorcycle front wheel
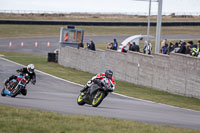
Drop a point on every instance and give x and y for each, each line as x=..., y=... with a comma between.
x=2, y=92
x=80, y=100
x=98, y=98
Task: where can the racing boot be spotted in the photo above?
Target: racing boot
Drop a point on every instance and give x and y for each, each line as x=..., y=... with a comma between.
x=84, y=90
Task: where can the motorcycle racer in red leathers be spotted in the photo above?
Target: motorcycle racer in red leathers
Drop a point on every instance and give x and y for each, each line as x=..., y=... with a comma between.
x=108, y=74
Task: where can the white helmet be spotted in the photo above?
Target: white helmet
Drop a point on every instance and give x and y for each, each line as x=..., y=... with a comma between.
x=30, y=68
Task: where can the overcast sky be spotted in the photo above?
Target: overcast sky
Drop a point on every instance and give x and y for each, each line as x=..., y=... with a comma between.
x=102, y=6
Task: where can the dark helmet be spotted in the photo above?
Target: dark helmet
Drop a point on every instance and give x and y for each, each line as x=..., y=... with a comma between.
x=108, y=74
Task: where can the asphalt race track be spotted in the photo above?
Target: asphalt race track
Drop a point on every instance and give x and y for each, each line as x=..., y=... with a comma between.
x=55, y=95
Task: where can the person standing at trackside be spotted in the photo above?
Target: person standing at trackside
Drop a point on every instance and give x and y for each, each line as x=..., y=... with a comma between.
x=115, y=44
x=26, y=70
x=147, y=48
x=198, y=44
x=188, y=47
x=100, y=76
x=91, y=45
x=194, y=51
x=164, y=47
x=135, y=47
x=182, y=47
x=171, y=48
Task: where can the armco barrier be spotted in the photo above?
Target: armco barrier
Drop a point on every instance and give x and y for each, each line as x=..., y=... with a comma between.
x=83, y=23
x=178, y=74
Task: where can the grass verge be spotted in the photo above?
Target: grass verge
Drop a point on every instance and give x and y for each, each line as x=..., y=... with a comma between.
x=125, y=88
x=13, y=31
x=15, y=120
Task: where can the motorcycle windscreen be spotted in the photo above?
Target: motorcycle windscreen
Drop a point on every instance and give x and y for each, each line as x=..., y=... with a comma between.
x=93, y=88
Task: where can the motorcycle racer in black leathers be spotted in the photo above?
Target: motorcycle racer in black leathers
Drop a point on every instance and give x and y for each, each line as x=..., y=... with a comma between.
x=26, y=70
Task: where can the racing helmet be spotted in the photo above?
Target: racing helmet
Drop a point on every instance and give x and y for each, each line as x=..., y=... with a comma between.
x=30, y=68
x=108, y=74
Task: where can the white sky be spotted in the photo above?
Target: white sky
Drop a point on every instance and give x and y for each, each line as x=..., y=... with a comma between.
x=101, y=6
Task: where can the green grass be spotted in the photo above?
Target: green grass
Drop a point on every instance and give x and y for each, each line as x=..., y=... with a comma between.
x=125, y=88
x=16, y=120
x=13, y=31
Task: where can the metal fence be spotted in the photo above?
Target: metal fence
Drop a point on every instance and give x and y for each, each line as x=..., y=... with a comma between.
x=127, y=13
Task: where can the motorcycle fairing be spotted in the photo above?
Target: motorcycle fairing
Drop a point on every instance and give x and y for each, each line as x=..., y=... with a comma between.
x=93, y=88
x=7, y=92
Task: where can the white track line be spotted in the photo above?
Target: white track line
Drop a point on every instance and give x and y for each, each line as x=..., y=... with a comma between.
x=112, y=92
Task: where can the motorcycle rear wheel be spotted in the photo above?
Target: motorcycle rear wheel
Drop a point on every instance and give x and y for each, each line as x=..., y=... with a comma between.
x=80, y=100
x=98, y=98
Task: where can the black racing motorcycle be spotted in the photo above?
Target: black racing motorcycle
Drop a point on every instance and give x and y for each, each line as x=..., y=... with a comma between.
x=96, y=93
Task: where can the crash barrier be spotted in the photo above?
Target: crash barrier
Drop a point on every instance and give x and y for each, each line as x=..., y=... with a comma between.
x=178, y=74
x=34, y=22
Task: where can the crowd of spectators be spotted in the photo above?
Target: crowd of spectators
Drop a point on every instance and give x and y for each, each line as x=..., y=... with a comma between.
x=182, y=47
x=90, y=45
x=136, y=48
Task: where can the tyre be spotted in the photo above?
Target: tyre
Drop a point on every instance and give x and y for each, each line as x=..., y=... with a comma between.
x=24, y=92
x=2, y=92
x=98, y=98
x=80, y=100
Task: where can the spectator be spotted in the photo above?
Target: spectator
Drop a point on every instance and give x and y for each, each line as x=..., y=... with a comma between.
x=198, y=44
x=176, y=48
x=91, y=45
x=115, y=44
x=176, y=45
x=194, y=51
x=171, y=47
x=135, y=47
x=130, y=46
x=124, y=49
x=182, y=47
x=194, y=45
x=110, y=45
x=188, y=47
x=164, y=47
x=147, y=48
